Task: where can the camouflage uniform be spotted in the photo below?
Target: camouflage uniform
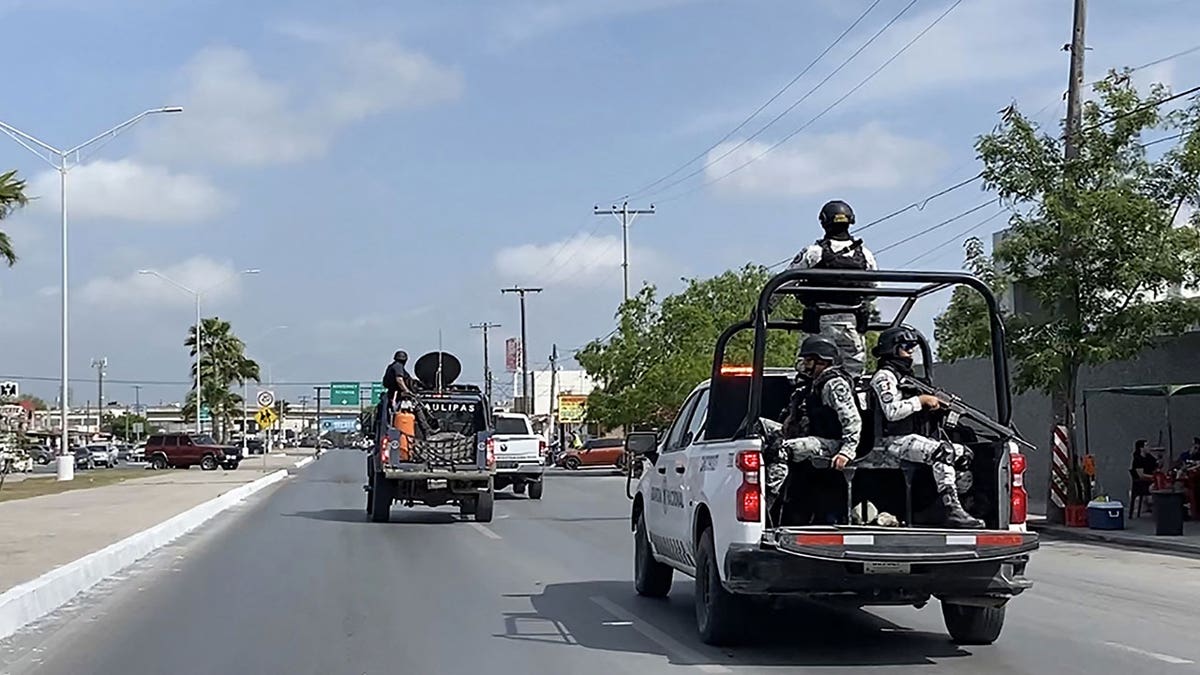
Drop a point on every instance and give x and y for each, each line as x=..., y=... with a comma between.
x=835, y=427
x=841, y=327
x=941, y=456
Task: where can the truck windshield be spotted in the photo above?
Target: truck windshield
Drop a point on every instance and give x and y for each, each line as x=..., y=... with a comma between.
x=512, y=426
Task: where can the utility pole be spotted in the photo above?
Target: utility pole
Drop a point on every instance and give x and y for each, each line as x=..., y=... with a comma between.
x=487, y=370
x=137, y=407
x=528, y=406
x=626, y=216
x=100, y=364
x=553, y=393
x=319, y=389
x=1064, y=402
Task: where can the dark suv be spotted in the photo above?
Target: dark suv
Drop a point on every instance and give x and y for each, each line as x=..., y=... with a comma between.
x=184, y=450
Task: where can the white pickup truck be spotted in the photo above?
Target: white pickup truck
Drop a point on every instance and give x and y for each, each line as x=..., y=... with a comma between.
x=520, y=454
x=701, y=507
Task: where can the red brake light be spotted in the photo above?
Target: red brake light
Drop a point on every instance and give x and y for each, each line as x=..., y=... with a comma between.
x=1018, y=463
x=1019, y=500
x=737, y=371
x=542, y=448
x=749, y=503
x=749, y=460
x=491, y=452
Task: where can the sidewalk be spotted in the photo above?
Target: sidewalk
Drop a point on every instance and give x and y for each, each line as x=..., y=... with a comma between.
x=1138, y=533
x=39, y=534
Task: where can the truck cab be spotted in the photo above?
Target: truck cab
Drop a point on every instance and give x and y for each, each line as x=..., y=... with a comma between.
x=701, y=506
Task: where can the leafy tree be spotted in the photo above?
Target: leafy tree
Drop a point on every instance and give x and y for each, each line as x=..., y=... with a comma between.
x=12, y=197
x=223, y=363
x=1099, y=230
x=122, y=427
x=963, y=330
x=662, y=349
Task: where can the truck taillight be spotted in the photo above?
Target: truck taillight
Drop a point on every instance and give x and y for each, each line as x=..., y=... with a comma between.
x=542, y=448
x=491, y=452
x=749, y=493
x=1019, y=501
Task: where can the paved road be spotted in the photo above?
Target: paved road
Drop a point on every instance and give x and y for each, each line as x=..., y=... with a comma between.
x=296, y=582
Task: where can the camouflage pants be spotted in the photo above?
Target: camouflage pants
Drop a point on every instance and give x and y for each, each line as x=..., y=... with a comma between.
x=799, y=450
x=925, y=450
x=843, y=330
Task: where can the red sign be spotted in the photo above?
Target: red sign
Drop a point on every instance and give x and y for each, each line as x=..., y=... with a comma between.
x=512, y=354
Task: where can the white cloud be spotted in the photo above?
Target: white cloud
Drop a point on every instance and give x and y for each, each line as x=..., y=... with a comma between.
x=547, y=16
x=215, y=280
x=866, y=159
x=129, y=190
x=581, y=260
x=235, y=115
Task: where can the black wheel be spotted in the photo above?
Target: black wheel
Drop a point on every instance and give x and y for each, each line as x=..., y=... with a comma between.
x=518, y=488
x=972, y=625
x=370, y=486
x=208, y=463
x=650, y=577
x=572, y=463
x=159, y=463
x=382, y=491
x=483, y=507
x=535, y=489
x=467, y=506
x=719, y=615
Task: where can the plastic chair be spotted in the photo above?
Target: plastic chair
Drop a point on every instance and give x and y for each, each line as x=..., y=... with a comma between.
x=1139, y=489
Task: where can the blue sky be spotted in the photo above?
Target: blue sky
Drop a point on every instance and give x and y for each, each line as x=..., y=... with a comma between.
x=390, y=165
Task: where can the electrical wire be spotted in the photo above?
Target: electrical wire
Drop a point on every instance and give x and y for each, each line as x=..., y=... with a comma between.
x=938, y=226
x=712, y=162
x=821, y=114
x=634, y=194
x=954, y=239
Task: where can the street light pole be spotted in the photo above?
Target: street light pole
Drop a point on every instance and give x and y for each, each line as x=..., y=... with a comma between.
x=199, y=330
x=528, y=405
x=63, y=161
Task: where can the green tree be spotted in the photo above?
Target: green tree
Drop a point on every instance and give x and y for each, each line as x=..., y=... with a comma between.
x=223, y=363
x=662, y=349
x=122, y=426
x=12, y=197
x=963, y=330
x=1099, y=230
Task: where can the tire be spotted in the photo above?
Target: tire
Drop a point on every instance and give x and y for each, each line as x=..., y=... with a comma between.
x=159, y=463
x=719, y=613
x=572, y=463
x=535, y=489
x=370, y=487
x=651, y=578
x=208, y=463
x=484, y=507
x=971, y=625
x=382, y=491
x=518, y=488
x=467, y=506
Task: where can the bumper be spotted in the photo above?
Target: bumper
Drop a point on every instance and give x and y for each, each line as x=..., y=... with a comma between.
x=532, y=468
x=418, y=474
x=755, y=570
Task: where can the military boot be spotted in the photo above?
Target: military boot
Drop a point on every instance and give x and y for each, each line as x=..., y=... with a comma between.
x=956, y=516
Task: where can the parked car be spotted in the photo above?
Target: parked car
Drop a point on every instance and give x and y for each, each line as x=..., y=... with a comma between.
x=182, y=450
x=595, y=452
x=83, y=458
x=137, y=453
x=103, y=455
x=255, y=446
x=41, y=454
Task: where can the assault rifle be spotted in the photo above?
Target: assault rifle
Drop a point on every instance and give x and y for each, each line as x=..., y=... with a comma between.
x=957, y=408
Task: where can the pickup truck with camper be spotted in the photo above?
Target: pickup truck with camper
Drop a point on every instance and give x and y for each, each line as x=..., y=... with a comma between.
x=701, y=506
x=520, y=454
x=435, y=449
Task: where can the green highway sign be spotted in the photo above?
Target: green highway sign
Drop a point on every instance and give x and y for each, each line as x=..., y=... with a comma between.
x=343, y=393
x=205, y=412
x=376, y=392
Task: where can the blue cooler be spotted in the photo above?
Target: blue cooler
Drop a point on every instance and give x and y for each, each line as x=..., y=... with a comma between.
x=1106, y=515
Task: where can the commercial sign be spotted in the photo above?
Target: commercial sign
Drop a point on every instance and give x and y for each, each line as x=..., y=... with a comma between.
x=512, y=354
x=572, y=408
x=342, y=424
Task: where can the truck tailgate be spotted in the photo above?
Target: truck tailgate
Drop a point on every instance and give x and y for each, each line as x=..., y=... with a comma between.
x=899, y=545
x=517, y=448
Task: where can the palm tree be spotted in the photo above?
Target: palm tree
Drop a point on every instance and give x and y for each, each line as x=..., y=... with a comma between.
x=223, y=363
x=12, y=197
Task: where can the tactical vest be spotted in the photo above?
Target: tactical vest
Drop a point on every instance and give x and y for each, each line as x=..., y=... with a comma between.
x=852, y=258
x=823, y=420
x=916, y=423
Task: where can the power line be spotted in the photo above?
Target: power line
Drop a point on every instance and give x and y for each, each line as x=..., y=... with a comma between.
x=762, y=107
x=920, y=205
x=955, y=238
x=821, y=114
x=939, y=226
x=1141, y=108
x=787, y=110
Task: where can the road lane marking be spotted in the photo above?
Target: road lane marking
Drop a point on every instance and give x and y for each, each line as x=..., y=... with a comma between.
x=1165, y=658
x=485, y=530
x=668, y=643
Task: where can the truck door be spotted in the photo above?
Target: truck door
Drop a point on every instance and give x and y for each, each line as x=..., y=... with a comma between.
x=667, y=502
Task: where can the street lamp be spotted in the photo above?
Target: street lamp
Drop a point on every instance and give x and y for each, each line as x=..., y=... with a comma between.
x=245, y=392
x=197, y=295
x=63, y=161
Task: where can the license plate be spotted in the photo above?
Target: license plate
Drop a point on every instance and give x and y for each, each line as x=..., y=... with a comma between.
x=887, y=568
x=506, y=465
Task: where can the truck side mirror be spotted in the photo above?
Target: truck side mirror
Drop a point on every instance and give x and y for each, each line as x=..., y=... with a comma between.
x=641, y=443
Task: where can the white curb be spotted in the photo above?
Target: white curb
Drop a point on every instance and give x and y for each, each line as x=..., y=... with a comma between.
x=24, y=604
x=303, y=463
